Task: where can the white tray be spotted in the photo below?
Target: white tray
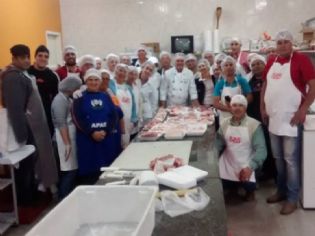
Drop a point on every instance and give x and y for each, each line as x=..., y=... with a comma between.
x=141, y=138
x=174, y=137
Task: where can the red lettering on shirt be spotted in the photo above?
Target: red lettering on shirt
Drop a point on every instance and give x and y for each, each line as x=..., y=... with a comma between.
x=233, y=139
x=276, y=75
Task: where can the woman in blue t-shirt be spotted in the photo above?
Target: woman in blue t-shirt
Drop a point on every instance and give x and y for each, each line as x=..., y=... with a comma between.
x=230, y=85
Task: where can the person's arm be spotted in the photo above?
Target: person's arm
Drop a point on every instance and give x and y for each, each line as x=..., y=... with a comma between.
x=163, y=90
x=263, y=112
x=193, y=93
x=219, y=105
x=260, y=154
x=15, y=96
x=219, y=142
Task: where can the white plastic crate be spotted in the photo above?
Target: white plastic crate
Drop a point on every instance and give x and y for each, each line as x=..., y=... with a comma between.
x=101, y=210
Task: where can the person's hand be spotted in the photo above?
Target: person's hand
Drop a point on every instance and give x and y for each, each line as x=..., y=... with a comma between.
x=298, y=117
x=98, y=135
x=245, y=174
x=68, y=150
x=77, y=94
x=264, y=115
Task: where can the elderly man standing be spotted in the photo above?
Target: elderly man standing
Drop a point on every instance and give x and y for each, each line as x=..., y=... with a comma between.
x=241, y=141
x=178, y=86
x=165, y=61
x=142, y=56
x=284, y=103
x=70, y=67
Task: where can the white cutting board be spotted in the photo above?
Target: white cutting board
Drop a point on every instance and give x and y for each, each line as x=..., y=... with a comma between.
x=137, y=156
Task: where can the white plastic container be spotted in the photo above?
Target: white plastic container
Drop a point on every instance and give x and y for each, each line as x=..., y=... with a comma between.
x=101, y=210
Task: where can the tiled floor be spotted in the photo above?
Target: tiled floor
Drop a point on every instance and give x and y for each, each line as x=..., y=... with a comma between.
x=252, y=219
x=261, y=219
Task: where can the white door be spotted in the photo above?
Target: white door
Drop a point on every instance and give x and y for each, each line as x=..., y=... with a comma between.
x=53, y=40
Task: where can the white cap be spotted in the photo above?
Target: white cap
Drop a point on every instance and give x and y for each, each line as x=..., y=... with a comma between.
x=239, y=99
x=92, y=72
x=190, y=56
x=228, y=59
x=207, y=52
x=104, y=71
x=69, y=49
x=132, y=69
x=165, y=53
x=142, y=47
x=257, y=57
x=154, y=60
x=87, y=59
x=179, y=55
x=112, y=56
x=284, y=35
x=204, y=62
x=235, y=39
x=98, y=59
x=219, y=57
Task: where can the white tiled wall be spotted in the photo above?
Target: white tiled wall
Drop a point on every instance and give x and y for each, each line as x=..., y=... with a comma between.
x=103, y=26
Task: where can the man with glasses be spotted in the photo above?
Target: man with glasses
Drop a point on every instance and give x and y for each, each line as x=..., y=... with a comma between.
x=46, y=80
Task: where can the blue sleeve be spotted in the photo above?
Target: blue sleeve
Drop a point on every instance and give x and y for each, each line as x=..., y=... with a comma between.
x=244, y=85
x=79, y=118
x=218, y=88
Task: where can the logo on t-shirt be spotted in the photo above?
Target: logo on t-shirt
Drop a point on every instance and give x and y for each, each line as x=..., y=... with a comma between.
x=276, y=75
x=234, y=139
x=97, y=103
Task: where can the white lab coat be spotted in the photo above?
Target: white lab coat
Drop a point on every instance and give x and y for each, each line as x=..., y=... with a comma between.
x=149, y=101
x=178, y=87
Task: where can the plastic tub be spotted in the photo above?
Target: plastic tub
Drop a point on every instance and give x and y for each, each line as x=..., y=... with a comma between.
x=101, y=210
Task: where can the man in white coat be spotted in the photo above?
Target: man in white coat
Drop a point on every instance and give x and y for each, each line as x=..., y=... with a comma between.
x=240, y=141
x=178, y=88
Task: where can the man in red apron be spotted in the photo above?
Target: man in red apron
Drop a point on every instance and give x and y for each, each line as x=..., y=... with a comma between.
x=70, y=67
x=284, y=105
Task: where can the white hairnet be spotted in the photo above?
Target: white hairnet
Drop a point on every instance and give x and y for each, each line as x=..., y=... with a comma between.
x=121, y=65
x=125, y=57
x=249, y=56
x=154, y=60
x=165, y=53
x=228, y=59
x=255, y=58
x=87, y=59
x=190, y=56
x=207, y=52
x=204, y=62
x=70, y=84
x=179, y=55
x=69, y=49
x=219, y=57
x=111, y=56
x=98, y=59
x=105, y=71
x=239, y=99
x=92, y=72
x=142, y=47
x=284, y=35
x=132, y=69
x=235, y=39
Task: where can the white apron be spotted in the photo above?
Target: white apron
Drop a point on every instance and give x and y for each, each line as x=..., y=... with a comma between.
x=228, y=91
x=71, y=163
x=179, y=90
x=125, y=100
x=282, y=99
x=237, y=154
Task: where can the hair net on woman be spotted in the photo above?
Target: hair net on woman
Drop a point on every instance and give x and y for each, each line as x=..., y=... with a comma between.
x=204, y=62
x=219, y=57
x=87, y=59
x=284, y=35
x=70, y=84
x=228, y=59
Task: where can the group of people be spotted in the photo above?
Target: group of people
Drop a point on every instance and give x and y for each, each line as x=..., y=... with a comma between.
x=92, y=111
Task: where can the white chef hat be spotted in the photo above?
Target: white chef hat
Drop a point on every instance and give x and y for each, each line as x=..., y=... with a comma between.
x=70, y=84
x=87, y=59
x=121, y=65
x=239, y=99
x=92, y=72
x=112, y=56
x=165, y=53
x=98, y=59
x=69, y=49
x=257, y=57
x=228, y=59
x=179, y=55
x=190, y=56
x=284, y=35
x=154, y=60
x=204, y=62
x=219, y=57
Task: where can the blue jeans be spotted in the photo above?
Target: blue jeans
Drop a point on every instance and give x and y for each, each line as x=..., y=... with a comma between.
x=67, y=183
x=287, y=152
